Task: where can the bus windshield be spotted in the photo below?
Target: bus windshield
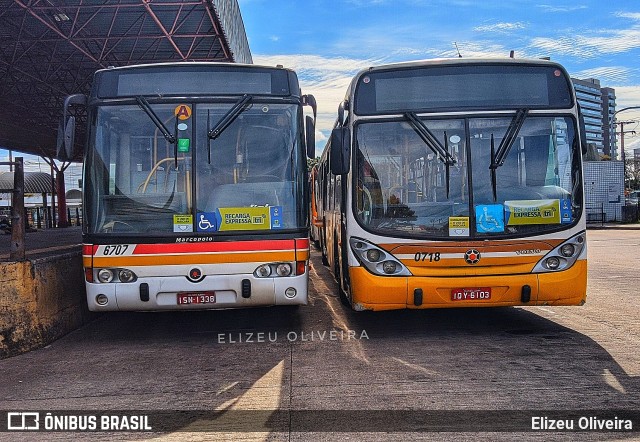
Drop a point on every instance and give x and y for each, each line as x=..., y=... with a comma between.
x=249, y=178
x=403, y=188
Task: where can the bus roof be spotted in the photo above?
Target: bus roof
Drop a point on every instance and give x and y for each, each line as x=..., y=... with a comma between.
x=199, y=63
x=158, y=79
x=451, y=62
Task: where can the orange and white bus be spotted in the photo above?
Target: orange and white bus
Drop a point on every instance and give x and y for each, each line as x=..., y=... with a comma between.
x=314, y=189
x=195, y=187
x=456, y=183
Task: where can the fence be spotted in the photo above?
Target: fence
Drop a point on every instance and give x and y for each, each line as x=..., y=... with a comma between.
x=595, y=213
x=44, y=217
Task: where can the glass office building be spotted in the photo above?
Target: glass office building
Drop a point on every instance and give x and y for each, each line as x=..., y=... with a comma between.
x=598, y=106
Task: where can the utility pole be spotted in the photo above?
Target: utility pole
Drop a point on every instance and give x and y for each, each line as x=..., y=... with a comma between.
x=17, y=249
x=622, y=132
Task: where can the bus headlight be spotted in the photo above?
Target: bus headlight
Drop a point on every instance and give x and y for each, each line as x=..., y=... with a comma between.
x=275, y=269
x=373, y=255
x=567, y=250
x=563, y=256
x=389, y=267
x=283, y=269
x=126, y=275
x=116, y=275
x=105, y=275
x=377, y=260
x=263, y=271
x=552, y=263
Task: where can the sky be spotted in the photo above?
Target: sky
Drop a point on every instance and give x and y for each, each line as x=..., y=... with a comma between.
x=328, y=42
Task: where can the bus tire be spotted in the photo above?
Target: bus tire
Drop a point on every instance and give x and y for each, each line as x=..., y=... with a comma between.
x=325, y=261
x=336, y=260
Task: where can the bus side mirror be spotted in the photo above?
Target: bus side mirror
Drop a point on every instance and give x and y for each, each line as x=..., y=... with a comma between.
x=583, y=132
x=67, y=127
x=66, y=139
x=340, y=151
x=342, y=108
x=310, y=133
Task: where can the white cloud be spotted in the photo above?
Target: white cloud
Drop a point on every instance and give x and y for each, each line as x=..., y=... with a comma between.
x=591, y=46
x=608, y=74
x=501, y=27
x=631, y=15
x=629, y=96
x=556, y=8
x=326, y=78
x=474, y=49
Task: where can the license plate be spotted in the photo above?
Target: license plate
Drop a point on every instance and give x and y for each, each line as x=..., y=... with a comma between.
x=185, y=298
x=474, y=294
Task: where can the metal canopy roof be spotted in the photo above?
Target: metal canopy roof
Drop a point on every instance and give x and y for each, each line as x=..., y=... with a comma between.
x=34, y=182
x=51, y=48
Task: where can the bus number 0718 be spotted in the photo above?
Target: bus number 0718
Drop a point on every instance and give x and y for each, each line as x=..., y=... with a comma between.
x=431, y=257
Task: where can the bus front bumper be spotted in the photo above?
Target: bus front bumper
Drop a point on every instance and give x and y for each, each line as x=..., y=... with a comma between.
x=372, y=292
x=226, y=289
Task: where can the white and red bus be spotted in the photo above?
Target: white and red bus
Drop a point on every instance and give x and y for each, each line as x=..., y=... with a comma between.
x=195, y=187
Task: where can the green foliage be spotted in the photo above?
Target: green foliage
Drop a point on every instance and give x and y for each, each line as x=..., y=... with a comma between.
x=312, y=162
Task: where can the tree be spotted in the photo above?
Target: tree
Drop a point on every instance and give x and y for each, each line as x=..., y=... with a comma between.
x=312, y=162
x=632, y=173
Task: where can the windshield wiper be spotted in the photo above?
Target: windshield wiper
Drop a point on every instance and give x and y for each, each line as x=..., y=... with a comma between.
x=228, y=118
x=509, y=137
x=144, y=105
x=432, y=142
x=498, y=158
x=429, y=139
x=171, y=138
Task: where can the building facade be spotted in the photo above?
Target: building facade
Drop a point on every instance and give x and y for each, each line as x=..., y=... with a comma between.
x=590, y=100
x=598, y=106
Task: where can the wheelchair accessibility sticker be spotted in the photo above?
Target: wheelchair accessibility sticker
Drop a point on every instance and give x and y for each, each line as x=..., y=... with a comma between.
x=207, y=222
x=490, y=218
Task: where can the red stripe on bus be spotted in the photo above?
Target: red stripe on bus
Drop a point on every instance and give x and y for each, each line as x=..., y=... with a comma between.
x=234, y=246
x=89, y=249
x=302, y=243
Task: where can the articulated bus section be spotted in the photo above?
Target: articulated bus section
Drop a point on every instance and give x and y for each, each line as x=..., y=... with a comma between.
x=207, y=275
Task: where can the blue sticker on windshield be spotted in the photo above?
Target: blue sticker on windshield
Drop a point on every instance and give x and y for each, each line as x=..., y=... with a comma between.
x=565, y=211
x=276, y=217
x=207, y=222
x=490, y=218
